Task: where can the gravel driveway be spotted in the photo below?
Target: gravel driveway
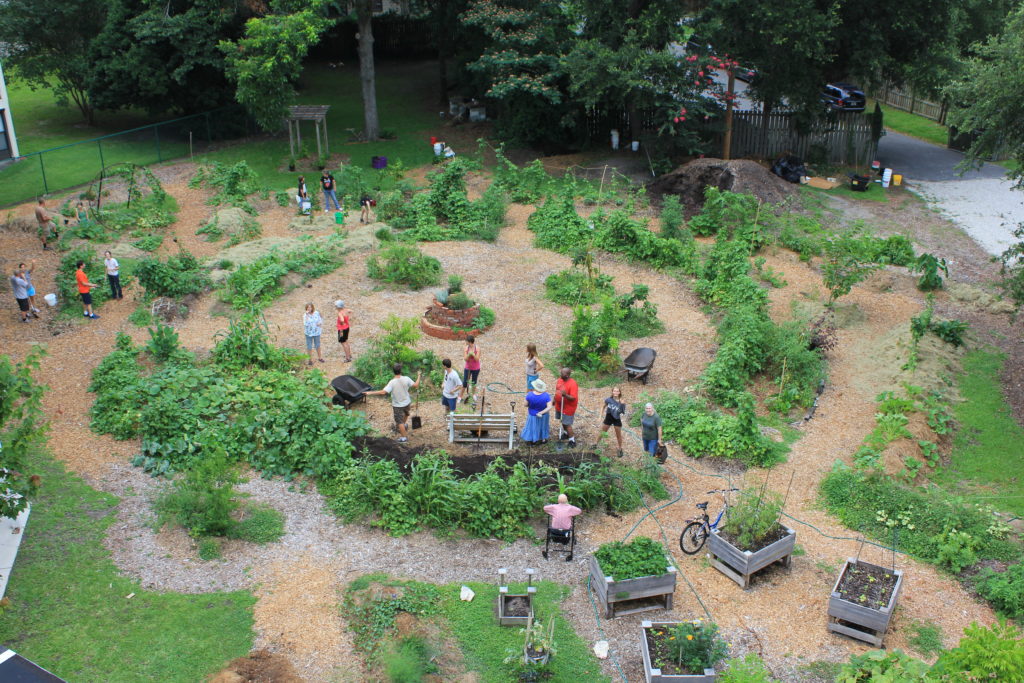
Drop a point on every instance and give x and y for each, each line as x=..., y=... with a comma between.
x=981, y=201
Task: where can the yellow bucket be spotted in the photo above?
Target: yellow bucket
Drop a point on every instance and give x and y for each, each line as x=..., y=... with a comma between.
x=897, y=179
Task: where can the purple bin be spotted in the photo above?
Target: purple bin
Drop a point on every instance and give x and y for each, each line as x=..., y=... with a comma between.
x=379, y=162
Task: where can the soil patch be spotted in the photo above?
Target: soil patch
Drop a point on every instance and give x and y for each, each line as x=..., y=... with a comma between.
x=867, y=585
x=741, y=175
x=777, y=533
x=517, y=607
x=259, y=666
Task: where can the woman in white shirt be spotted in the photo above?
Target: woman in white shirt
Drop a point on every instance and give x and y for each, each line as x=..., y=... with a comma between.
x=313, y=326
x=113, y=275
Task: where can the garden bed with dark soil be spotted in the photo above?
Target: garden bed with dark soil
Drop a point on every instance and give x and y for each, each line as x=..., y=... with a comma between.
x=776, y=534
x=467, y=465
x=517, y=606
x=873, y=584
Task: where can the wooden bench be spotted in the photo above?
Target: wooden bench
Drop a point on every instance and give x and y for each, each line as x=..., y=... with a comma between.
x=475, y=424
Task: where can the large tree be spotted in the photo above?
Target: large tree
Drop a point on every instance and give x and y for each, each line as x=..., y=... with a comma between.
x=46, y=42
x=164, y=56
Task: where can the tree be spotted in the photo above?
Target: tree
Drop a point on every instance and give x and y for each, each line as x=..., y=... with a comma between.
x=367, y=77
x=164, y=57
x=47, y=44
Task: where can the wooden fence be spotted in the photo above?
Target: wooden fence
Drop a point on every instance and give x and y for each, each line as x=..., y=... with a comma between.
x=842, y=139
x=909, y=101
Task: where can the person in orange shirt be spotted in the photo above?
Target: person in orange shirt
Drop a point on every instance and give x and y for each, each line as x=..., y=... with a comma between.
x=567, y=392
x=85, y=290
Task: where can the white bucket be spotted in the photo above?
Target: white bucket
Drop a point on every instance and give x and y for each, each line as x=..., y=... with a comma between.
x=50, y=299
x=635, y=145
x=886, y=177
x=438, y=148
x=615, y=138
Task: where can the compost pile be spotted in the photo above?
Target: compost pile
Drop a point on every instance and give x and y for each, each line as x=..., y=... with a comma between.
x=739, y=175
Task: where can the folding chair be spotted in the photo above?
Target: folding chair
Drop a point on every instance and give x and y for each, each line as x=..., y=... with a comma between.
x=565, y=537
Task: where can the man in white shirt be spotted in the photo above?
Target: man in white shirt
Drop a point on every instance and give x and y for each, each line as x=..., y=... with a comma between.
x=398, y=388
x=452, y=387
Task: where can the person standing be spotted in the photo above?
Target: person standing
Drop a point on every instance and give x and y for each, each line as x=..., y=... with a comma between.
x=46, y=225
x=567, y=394
x=328, y=186
x=614, y=411
x=538, y=406
x=85, y=290
x=113, y=275
x=313, y=326
x=302, y=196
x=82, y=213
x=471, y=367
x=451, y=388
x=365, y=202
x=533, y=365
x=26, y=273
x=20, y=286
x=344, y=317
x=651, y=433
x=398, y=388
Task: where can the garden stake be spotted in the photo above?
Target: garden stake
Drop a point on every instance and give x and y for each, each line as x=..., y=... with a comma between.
x=479, y=425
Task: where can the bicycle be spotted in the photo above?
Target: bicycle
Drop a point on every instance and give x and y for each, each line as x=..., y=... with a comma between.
x=695, y=534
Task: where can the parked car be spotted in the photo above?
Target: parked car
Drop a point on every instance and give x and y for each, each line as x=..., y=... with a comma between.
x=843, y=97
x=746, y=74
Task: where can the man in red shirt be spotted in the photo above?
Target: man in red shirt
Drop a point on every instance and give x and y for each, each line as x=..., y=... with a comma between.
x=85, y=290
x=567, y=394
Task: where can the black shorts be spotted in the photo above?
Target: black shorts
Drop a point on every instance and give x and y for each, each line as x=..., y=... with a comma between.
x=612, y=421
x=86, y=298
x=343, y=335
x=22, y=305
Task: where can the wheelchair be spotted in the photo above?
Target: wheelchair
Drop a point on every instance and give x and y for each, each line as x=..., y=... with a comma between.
x=564, y=537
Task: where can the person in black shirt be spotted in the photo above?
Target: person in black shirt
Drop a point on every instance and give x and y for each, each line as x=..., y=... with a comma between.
x=327, y=185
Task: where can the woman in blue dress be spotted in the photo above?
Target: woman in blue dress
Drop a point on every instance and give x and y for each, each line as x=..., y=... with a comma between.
x=538, y=406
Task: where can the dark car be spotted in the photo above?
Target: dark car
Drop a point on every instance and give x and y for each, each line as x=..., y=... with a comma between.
x=843, y=97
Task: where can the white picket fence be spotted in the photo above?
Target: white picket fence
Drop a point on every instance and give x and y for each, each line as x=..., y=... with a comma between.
x=842, y=139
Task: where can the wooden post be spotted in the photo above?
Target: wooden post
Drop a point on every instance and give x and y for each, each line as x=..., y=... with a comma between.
x=727, y=140
x=319, y=152
x=327, y=147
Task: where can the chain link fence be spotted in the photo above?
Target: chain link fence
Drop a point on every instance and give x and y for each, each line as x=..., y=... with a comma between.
x=51, y=170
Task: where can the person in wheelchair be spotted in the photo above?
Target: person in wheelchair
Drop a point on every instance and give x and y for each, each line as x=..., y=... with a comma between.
x=561, y=526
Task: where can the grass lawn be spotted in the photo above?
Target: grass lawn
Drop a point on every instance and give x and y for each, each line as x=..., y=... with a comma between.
x=986, y=465
x=913, y=125
x=874, y=193
x=485, y=644
x=69, y=612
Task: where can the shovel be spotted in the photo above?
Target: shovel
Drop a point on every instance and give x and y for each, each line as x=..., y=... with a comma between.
x=417, y=422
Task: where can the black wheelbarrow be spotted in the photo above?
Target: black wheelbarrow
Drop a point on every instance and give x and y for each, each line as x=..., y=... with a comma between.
x=349, y=390
x=639, y=363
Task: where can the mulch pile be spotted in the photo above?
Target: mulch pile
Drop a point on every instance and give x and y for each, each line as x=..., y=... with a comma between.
x=739, y=175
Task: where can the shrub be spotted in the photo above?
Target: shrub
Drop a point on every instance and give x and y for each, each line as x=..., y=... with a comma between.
x=640, y=557
x=179, y=275
x=618, y=232
x=1004, y=590
x=755, y=514
x=150, y=242
x=950, y=331
x=395, y=346
x=985, y=653
x=639, y=317
x=558, y=227
x=672, y=218
x=879, y=665
x=589, y=343
x=163, y=342
x=246, y=344
x=929, y=267
x=454, y=283
x=22, y=429
x=750, y=669
x=459, y=301
x=233, y=183
x=403, y=264
x=257, y=283
x=573, y=288
x=203, y=500
x=736, y=215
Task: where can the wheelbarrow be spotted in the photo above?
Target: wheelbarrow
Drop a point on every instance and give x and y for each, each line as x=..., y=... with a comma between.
x=639, y=363
x=348, y=390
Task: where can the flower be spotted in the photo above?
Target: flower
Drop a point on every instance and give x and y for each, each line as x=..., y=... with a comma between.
x=689, y=636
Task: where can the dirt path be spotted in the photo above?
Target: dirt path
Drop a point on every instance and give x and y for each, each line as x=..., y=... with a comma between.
x=782, y=617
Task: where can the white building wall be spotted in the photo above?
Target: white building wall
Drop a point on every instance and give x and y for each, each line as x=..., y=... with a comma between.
x=8, y=120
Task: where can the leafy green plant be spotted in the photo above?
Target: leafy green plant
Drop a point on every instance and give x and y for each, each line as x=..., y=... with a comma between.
x=179, y=275
x=371, y=617
x=749, y=669
x=150, y=242
x=956, y=550
x=260, y=523
x=950, y=331
x=573, y=288
x=1004, y=590
x=233, y=183
x=204, y=499
x=672, y=218
x=409, y=660
x=929, y=266
x=926, y=638
x=163, y=342
x=618, y=232
x=558, y=226
x=754, y=516
x=881, y=665
x=395, y=345
x=406, y=265
x=141, y=316
x=695, y=645
x=22, y=429
x=454, y=283
x=459, y=301
x=992, y=653
x=642, y=556
x=590, y=343
x=845, y=266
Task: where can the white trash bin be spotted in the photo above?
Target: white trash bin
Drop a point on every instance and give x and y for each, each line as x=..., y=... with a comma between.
x=50, y=299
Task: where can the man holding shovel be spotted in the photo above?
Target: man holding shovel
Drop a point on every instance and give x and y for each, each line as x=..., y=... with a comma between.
x=398, y=388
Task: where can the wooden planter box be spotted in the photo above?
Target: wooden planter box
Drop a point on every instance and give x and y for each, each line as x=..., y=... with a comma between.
x=739, y=565
x=505, y=619
x=862, y=622
x=633, y=595
x=652, y=675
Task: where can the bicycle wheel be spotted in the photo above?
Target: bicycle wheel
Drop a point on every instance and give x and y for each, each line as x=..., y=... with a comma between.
x=693, y=538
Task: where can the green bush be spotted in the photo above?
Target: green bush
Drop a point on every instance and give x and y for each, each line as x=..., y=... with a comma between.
x=755, y=514
x=734, y=215
x=179, y=275
x=984, y=653
x=879, y=665
x=459, y=301
x=573, y=287
x=259, y=524
x=150, y=242
x=750, y=669
x=590, y=343
x=1004, y=590
x=618, y=232
x=405, y=265
x=204, y=499
x=640, y=557
x=558, y=226
x=672, y=218
x=929, y=266
x=233, y=183
x=395, y=346
x=524, y=184
x=638, y=316
x=163, y=342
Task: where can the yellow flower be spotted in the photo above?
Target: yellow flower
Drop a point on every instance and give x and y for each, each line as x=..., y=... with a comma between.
x=671, y=637
x=689, y=637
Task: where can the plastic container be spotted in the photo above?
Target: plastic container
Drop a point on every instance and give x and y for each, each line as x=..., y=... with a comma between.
x=897, y=179
x=379, y=162
x=635, y=145
x=438, y=148
x=50, y=299
x=339, y=217
x=433, y=139
x=886, y=178
x=615, y=138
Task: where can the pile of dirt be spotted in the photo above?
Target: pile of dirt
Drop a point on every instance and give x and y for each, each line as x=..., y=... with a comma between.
x=738, y=175
x=259, y=666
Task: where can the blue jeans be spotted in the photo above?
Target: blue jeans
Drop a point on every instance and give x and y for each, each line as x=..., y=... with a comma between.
x=450, y=403
x=329, y=195
x=468, y=374
x=529, y=381
x=651, y=446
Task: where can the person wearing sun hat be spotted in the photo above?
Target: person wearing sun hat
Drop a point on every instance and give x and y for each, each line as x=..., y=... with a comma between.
x=344, y=318
x=538, y=407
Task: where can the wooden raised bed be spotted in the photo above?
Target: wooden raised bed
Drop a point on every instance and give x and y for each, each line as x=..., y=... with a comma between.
x=864, y=622
x=739, y=565
x=507, y=599
x=653, y=675
x=633, y=595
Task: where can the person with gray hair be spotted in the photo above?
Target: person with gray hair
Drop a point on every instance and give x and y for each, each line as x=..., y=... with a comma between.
x=650, y=423
x=344, y=317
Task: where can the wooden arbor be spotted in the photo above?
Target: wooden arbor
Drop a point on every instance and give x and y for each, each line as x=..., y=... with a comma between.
x=315, y=113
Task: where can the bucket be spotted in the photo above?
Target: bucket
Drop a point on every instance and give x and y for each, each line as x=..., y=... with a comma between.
x=339, y=217
x=635, y=145
x=50, y=299
x=438, y=148
x=615, y=138
x=897, y=179
x=379, y=162
x=886, y=177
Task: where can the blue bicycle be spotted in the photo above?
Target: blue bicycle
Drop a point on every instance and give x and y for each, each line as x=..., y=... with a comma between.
x=695, y=534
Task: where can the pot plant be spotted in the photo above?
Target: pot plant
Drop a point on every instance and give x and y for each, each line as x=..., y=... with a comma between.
x=752, y=537
x=863, y=600
x=632, y=577
x=538, y=646
x=681, y=651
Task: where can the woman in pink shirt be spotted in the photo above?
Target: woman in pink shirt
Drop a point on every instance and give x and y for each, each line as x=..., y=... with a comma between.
x=471, y=369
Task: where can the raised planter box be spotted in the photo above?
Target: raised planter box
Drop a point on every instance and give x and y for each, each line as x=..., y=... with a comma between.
x=863, y=622
x=633, y=595
x=506, y=619
x=439, y=320
x=739, y=565
x=654, y=675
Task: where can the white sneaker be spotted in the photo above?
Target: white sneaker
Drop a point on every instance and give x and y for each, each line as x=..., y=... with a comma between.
x=35, y=310
x=402, y=439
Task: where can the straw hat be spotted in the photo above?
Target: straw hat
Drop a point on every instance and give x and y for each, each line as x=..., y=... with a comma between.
x=539, y=385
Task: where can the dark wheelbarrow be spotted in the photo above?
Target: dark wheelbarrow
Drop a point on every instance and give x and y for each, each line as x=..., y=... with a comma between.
x=349, y=390
x=639, y=363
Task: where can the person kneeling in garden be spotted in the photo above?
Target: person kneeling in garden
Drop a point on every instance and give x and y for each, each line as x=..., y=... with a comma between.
x=399, y=387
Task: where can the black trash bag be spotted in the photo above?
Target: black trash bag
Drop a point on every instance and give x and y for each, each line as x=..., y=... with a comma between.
x=789, y=168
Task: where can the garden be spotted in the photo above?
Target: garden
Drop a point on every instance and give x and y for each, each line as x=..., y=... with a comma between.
x=809, y=372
